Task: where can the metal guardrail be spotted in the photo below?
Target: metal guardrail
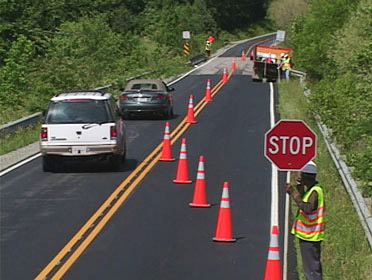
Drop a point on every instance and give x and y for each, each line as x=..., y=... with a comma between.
x=300, y=74
x=351, y=187
x=21, y=123
x=30, y=120
x=195, y=60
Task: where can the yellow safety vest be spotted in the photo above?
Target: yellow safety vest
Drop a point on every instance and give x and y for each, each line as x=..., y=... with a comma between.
x=287, y=63
x=311, y=227
x=208, y=45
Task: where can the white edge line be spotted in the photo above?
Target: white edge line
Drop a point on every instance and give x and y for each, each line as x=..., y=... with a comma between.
x=19, y=164
x=196, y=68
x=274, y=169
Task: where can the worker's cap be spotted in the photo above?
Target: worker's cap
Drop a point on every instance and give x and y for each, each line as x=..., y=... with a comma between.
x=282, y=54
x=310, y=168
x=286, y=55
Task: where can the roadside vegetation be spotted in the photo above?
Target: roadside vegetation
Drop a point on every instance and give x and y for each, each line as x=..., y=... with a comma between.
x=89, y=44
x=332, y=44
x=51, y=46
x=19, y=138
x=345, y=251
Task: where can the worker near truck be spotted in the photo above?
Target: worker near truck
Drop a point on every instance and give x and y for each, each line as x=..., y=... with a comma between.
x=286, y=66
x=309, y=224
x=269, y=59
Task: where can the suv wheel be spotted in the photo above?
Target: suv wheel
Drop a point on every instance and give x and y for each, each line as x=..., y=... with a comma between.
x=115, y=162
x=48, y=164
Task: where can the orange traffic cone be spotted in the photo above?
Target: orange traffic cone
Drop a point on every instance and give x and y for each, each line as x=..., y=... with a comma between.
x=182, y=176
x=166, y=154
x=233, y=65
x=224, y=75
x=243, y=56
x=200, y=191
x=190, y=111
x=273, y=267
x=224, y=226
x=208, y=92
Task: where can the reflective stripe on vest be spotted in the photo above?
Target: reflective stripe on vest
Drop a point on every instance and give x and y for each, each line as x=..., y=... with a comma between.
x=311, y=227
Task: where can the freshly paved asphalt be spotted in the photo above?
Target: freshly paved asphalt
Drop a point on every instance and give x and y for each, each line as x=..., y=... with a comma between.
x=155, y=234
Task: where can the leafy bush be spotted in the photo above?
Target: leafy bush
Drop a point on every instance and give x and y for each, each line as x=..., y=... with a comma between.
x=341, y=53
x=13, y=75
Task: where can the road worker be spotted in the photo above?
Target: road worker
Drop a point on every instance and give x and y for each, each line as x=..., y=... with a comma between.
x=208, y=47
x=286, y=66
x=280, y=67
x=309, y=225
x=269, y=59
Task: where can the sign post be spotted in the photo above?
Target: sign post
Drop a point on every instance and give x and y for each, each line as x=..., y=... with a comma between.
x=186, y=45
x=290, y=144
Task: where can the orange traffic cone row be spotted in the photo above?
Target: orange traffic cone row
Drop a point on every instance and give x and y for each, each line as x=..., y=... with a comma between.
x=182, y=176
x=224, y=225
x=273, y=267
x=233, y=65
x=224, y=75
x=166, y=154
x=208, y=92
x=190, y=111
x=200, y=189
x=243, y=56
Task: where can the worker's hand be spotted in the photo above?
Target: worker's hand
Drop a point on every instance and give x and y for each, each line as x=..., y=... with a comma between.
x=288, y=188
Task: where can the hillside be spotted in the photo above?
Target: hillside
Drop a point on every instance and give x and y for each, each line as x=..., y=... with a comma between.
x=50, y=46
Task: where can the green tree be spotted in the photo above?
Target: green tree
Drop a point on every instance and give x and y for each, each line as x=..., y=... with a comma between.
x=310, y=35
x=282, y=12
x=14, y=72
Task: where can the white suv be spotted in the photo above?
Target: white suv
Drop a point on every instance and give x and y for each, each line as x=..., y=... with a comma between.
x=82, y=124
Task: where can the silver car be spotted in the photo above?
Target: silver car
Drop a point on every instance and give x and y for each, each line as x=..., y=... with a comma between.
x=146, y=96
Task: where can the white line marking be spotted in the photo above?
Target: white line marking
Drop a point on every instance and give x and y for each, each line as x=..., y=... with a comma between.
x=274, y=170
x=19, y=164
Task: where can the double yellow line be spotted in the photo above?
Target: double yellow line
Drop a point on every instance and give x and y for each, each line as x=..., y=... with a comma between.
x=82, y=239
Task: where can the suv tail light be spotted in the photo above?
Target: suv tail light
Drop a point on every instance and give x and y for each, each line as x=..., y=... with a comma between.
x=161, y=96
x=113, y=132
x=124, y=97
x=44, y=134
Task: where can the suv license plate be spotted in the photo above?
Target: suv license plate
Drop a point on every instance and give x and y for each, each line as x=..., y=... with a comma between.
x=78, y=150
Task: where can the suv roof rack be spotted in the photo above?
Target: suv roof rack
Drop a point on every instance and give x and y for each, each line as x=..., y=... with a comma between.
x=102, y=92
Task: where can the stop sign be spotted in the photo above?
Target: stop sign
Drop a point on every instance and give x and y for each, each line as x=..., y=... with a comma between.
x=290, y=144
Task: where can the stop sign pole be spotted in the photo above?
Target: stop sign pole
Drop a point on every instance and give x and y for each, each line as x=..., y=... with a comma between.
x=290, y=144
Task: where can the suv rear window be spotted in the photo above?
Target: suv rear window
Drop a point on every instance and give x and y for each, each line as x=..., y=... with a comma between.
x=78, y=111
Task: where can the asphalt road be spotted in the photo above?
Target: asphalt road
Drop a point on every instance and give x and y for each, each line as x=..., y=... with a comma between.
x=154, y=234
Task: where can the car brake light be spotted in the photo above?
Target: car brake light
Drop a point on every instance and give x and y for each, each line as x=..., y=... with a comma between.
x=44, y=134
x=124, y=97
x=113, y=132
x=161, y=96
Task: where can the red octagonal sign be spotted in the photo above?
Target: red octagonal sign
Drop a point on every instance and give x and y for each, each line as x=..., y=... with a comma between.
x=290, y=144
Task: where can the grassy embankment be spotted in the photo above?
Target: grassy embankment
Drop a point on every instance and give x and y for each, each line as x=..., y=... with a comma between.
x=345, y=250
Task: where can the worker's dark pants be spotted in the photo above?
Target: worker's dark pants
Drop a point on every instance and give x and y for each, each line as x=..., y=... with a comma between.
x=310, y=252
